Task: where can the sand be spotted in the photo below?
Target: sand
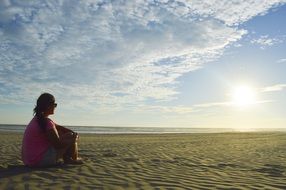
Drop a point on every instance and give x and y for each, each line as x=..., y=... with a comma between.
x=167, y=161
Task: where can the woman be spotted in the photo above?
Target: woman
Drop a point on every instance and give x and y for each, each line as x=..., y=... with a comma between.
x=44, y=142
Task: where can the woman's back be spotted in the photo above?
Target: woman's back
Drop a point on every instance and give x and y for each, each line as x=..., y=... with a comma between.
x=35, y=142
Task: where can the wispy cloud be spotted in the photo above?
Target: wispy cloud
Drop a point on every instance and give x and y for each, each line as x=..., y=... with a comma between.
x=281, y=61
x=111, y=52
x=183, y=110
x=212, y=104
x=277, y=87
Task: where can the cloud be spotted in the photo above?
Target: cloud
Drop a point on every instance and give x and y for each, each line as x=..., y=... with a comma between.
x=281, y=61
x=274, y=88
x=230, y=12
x=186, y=110
x=112, y=52
x=265, y=41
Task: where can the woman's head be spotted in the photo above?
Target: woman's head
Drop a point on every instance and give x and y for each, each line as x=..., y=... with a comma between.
x=45, y=104
x=45, y=107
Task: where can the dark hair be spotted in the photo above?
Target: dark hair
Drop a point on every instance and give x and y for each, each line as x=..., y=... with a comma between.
x=44, y=101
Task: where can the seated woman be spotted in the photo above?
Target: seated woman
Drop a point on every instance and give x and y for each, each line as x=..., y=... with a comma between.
x=44, y=142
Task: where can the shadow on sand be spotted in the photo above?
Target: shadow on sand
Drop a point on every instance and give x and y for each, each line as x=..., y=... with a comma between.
x=14, y=170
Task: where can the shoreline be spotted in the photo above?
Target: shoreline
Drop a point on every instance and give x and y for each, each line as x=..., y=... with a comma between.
x=145, y=130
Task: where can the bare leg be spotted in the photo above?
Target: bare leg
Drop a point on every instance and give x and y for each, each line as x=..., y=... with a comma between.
x=70, y=152
x=75, y=151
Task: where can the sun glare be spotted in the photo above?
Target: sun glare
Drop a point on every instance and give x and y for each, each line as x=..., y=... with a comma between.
x=243, y=96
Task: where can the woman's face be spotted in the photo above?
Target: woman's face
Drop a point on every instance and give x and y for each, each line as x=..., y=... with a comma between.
x=51, y=108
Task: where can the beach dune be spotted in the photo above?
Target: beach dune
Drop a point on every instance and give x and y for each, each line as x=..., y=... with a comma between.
x=161, y=161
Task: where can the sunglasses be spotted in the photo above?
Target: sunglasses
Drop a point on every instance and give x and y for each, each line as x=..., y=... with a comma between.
x=54, y=104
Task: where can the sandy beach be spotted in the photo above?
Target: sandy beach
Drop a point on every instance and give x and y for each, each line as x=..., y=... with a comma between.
x=166, y=161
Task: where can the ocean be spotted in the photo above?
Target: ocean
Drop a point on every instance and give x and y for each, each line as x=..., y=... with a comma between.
x=138, y=130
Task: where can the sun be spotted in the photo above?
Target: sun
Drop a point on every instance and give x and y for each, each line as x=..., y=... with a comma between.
x=243, y=96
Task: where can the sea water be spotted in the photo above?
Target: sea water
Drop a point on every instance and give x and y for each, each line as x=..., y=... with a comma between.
x=123, y=130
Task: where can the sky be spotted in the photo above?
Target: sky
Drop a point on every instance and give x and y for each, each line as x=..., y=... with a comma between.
x=145, y=63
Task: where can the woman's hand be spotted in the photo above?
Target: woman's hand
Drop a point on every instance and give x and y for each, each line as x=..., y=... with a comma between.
x=75, y=136
x=71, y=135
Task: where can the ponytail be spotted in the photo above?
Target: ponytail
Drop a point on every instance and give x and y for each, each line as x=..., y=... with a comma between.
x=41, y=119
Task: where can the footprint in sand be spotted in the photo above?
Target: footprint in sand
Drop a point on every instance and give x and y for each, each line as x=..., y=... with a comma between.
x=109, y=154
x=131, y=159
x=272, y=170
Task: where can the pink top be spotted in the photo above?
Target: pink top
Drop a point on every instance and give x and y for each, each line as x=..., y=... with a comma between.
x=35, y=142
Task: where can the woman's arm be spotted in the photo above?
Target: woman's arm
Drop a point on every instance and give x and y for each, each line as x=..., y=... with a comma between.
x=62, y=129
x=56, y=140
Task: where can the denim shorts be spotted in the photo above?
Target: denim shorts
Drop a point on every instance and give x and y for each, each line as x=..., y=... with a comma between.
x=49, y=158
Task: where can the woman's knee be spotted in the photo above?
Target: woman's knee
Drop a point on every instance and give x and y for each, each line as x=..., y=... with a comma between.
x=67, y=135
